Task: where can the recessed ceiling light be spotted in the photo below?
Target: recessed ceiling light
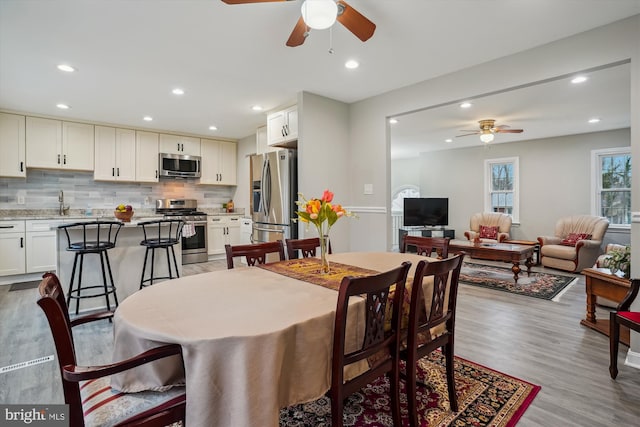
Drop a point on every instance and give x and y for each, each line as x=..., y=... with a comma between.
x=213, y=128
x=67, y=68
x=147, y=118
x=448, y=140
x=63, y=106
x=579, y=79
x=465, y=105
x=177, y=91
x=594, y=120
x=351, y=64
x=256, y=108
x=393, y=121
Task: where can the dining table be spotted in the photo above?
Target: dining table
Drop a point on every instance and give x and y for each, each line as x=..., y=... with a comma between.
x=254, y=339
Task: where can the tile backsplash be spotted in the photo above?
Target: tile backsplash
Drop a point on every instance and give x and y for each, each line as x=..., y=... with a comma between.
x=41, y=188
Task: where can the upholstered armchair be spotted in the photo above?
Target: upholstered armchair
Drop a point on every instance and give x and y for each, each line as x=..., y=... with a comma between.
x=576, y=243
x=489, y=227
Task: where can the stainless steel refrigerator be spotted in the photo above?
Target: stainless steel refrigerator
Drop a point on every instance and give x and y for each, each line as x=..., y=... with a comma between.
x=274, y=191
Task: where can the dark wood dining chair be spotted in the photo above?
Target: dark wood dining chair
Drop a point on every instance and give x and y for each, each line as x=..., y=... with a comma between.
x=307, y=247
x=426, y=246
x=428, y=331
x=87, y=389
x=622, y=316
x=255, y=253
x=380, y=346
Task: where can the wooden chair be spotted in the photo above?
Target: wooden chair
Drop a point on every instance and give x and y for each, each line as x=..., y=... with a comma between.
x=307, y=247
x=426, y=245
x=255, y=253
x=87, y=390
x=622, y=316
x=384, y=345
x=435, y=329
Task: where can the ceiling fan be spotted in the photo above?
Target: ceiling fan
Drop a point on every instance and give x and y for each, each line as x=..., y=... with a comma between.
x=321, y=14
x=488, y=129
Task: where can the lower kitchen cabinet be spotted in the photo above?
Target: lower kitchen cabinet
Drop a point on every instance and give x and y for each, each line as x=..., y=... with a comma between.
x=12, y=248
x=222, y=230
x=41, y=245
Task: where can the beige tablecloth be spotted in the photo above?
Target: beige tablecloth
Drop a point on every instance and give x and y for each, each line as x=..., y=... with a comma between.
x=253, y=341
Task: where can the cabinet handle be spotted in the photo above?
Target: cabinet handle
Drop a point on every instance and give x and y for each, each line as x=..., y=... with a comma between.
x=22, y=242
x=286, y=129
x=6, y=226
x=178, y=144
x=156, y=173
x=21, y=166
x=64, y=161
x=118, y=169
x=58, y=158
x=182, y=145
x=113, y=172
x=282, y=131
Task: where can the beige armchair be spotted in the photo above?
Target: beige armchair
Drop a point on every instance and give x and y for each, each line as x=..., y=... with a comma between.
x=489, y=219
x=559, y=251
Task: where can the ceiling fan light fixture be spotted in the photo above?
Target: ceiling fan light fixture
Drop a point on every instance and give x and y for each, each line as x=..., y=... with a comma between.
x=319, y=14
x=486, y=137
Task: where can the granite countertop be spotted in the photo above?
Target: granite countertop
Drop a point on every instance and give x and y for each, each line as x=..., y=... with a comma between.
x=107, y=214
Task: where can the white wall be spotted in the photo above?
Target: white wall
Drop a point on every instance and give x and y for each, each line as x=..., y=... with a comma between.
x=555, y=180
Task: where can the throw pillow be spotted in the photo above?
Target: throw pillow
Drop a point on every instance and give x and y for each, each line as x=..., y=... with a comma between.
x=488, y=232
x=573, y=238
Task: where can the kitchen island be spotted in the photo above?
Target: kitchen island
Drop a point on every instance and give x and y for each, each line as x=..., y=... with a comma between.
x=126, y=262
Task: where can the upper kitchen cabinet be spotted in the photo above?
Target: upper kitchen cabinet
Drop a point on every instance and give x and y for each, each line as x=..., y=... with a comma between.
x=218, y=162
x=262, y=145
x=176, y=144
x=115, y=154
x=12, y=146
x=282, y=127
x=53, y=144
x=147, y=156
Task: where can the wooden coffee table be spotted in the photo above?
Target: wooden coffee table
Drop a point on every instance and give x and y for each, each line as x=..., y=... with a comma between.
x=506, y=252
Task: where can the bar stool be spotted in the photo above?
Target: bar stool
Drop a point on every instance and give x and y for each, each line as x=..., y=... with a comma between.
x=97, y=237
x=160, y=234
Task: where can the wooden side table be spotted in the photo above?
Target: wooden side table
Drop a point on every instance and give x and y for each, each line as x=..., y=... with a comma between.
x=601, y=283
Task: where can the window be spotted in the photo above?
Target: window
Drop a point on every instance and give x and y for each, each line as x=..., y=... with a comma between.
x=397, y=202
x=611, y=185
x=502, y=186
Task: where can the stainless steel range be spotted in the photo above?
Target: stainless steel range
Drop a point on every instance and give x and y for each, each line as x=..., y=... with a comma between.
x=194, y=248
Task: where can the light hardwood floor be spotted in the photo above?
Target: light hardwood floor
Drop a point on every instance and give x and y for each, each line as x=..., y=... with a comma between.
x=535, y=340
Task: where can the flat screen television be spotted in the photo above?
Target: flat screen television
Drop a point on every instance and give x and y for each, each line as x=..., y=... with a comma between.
x=426, y=211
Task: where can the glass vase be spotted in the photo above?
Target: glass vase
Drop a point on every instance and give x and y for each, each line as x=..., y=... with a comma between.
x=324, y=262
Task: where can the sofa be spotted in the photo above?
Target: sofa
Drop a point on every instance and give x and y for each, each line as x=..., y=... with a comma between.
x=489, y=227
x=576, y=243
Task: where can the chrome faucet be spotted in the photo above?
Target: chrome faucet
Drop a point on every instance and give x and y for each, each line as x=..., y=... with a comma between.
x=61, y=200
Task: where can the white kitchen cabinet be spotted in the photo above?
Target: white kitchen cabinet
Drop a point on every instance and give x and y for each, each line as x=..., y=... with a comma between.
x=53, y=144
x=12, y=248
x=115, y=154
x=262, y=145
x=222, y=230
x=282, y=126
x=218, y=162
x=41, y=245
x=12, y=146
x=146, y=156
x=177, y=144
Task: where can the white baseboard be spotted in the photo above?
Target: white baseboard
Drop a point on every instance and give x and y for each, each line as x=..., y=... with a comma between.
x=633, y=359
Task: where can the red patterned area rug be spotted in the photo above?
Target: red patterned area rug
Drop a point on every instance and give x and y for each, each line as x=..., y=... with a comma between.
x=485, y=398
x=539, y=285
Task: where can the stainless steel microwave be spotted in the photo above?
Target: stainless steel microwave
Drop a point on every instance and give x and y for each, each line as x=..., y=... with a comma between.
x=179, y=166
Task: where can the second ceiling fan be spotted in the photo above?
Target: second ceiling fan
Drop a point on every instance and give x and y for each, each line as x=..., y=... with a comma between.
x=488, y=128
x=321, y=14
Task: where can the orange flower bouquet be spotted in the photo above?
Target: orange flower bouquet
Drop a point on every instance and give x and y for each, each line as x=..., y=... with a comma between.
x=323, y=214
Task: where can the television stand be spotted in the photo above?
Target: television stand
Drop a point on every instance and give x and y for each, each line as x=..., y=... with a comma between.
x=426, y=232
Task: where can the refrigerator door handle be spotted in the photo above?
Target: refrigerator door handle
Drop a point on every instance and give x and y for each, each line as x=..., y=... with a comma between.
x=270, y=230
x=267, y=187
x=261, y=208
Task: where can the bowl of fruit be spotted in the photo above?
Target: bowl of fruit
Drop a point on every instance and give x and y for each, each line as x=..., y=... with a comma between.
x=123, y=212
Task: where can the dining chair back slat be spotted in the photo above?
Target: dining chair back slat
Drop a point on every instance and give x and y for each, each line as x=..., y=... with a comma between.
x=255, y=253
x=426, y=246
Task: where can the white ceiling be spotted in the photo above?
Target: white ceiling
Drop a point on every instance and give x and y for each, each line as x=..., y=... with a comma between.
x=130, y=54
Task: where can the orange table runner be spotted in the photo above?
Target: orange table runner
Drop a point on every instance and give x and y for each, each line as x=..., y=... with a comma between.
x=308, y=270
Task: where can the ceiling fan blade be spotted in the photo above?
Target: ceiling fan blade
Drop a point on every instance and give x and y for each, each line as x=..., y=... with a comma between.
x=509, y=130
x=467, y=134
x=501, y=127
x=355, y=22
x=469, y=130
x=250, y=1
x=299, y=34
